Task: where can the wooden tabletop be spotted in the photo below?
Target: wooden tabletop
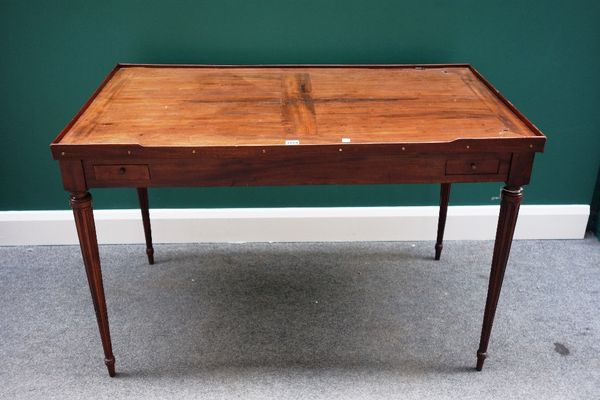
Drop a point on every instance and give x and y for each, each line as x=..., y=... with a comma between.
x=201, y=106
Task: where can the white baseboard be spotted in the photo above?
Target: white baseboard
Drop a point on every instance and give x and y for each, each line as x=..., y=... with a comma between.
x=293, y=224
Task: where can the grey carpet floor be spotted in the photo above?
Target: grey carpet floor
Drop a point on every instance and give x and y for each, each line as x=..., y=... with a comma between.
x=302, y=321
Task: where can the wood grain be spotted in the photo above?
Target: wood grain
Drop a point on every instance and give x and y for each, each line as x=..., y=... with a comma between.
x=298, y=108
x=220, y=106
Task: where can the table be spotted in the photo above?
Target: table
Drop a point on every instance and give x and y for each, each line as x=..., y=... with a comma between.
x=202, y=125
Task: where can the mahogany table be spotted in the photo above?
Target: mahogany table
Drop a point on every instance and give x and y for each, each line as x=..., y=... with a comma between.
x=200, y=125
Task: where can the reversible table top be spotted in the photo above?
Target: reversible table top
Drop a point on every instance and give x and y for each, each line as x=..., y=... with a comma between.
x=205, y=106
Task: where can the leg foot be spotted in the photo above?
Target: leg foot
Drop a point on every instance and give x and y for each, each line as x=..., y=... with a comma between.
x=444, y=197
x=438, y=251
x=150, y=254
x=143, y=197
x=480, y=360
x=509, y=211
x=110, y=365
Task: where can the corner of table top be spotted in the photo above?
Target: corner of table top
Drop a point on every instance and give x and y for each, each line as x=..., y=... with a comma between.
x=539, y=136
x=85, y=106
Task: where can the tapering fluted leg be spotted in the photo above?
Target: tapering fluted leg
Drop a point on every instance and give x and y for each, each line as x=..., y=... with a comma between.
x=444, y=198
x=81, y=203
x=143, y=196
x=509, y=211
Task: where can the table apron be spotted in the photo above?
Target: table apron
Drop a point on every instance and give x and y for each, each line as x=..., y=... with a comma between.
x=298, y=170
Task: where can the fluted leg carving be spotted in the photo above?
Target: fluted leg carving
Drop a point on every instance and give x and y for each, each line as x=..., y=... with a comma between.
x=81, y=203
x=509, y=211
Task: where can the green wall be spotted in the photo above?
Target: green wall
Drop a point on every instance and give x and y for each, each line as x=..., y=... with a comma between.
x=543, y=55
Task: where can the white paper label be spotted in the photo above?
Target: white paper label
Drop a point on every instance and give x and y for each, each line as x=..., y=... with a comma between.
x=291, y=142
x=346, y=140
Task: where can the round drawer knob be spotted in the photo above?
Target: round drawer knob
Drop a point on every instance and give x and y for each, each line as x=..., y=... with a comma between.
x=122, y=171
x=473, y=166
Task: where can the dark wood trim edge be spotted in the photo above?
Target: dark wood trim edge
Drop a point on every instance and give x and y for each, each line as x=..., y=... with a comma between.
x=456, y=65
x=86, y=151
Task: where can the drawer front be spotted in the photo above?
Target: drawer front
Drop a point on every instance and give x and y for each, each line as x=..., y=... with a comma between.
x=475, y=166
x=121, y=173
